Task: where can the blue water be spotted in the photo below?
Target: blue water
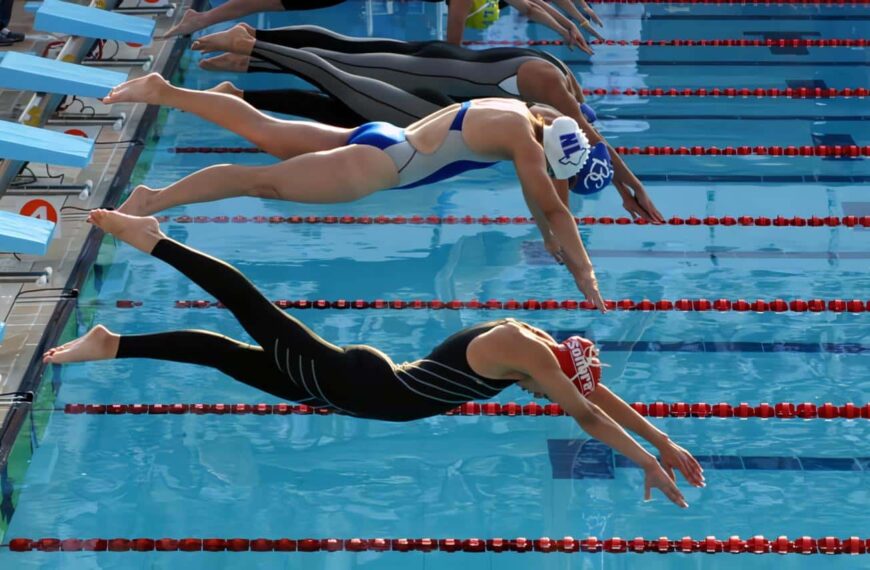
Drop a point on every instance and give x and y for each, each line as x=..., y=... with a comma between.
x=483, y=477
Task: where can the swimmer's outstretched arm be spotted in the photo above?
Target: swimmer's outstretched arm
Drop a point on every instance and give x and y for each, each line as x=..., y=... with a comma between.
x=533, y=358
x=673, y=456
x=551, y=213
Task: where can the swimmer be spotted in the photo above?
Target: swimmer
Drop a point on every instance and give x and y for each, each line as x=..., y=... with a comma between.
x=326, y=165
x=460, y=14
x=428, y=75
x=291, y=362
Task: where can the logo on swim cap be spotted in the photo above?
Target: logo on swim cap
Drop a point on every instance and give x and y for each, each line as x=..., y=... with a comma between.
x=565, y=147
x=596, y=173
x=483, y=13
x=574, y=152
x=578, y=359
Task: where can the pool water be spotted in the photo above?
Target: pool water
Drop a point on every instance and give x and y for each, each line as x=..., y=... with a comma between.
x=295, y=476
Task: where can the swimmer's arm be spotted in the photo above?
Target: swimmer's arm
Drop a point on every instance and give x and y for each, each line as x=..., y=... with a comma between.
x=536, y=360
x=626, y=416
x=457, y=12
x=538, y=188
x=673, y=456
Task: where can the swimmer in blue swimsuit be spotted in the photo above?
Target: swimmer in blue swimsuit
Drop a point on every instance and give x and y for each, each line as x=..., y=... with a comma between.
x=324, y=164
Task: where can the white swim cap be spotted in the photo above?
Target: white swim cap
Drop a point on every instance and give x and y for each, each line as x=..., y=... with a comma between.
x=566, y=147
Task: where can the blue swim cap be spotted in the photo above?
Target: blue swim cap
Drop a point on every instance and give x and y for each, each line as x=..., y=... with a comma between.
x=588, y=113
x=596, y=173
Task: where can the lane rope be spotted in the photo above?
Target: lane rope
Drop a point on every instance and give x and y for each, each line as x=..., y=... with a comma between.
x=759, y=221
x=728, y=42
x=743, y=2
x=687, y=545
x=681, y=305
x=681, y=410
x=806, y=151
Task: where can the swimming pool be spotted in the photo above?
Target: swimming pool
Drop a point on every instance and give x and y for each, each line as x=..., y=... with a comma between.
x=326, y=476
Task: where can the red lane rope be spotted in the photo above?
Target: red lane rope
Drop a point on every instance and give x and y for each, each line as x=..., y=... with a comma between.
x=729, y=42
x=732, y=92
x=742, y=2
x=761, y=221
x=682, y=305
x=709, y=545
x=833, y=151
x=782, y=410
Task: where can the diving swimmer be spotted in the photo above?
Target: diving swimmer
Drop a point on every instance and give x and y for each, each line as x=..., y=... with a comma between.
x=323, y=164
x=293, y=363
x=358, y=75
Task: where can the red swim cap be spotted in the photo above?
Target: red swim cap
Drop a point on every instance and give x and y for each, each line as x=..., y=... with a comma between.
x=578, y=359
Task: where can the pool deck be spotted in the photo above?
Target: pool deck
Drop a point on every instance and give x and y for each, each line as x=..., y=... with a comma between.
x=27, y=320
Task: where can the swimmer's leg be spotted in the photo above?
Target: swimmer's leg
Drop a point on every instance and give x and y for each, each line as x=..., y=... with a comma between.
x=376, y=100
x=258, y=315
x=317, y=37
x=312, y=105
x=193, y=21
x=279, y=138
x=341, y=175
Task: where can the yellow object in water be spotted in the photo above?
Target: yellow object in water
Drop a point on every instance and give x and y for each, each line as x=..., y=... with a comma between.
x=483, y=14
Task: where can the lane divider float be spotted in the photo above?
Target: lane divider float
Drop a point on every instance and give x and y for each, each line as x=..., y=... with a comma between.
x=679, y=305
x=823, y=151
x=728, y=221
x=758, y=544
x=721, y=42
x=681, y=410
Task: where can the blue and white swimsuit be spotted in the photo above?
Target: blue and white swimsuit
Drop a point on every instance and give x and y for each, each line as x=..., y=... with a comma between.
x=452, y=158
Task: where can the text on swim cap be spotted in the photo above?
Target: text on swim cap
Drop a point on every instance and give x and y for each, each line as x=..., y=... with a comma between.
x=570, y=146
x=584, y=379
x=599, y=171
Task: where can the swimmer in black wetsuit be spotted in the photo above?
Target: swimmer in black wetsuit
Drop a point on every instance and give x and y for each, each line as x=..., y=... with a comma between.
x=461, y=13
x=293, y=363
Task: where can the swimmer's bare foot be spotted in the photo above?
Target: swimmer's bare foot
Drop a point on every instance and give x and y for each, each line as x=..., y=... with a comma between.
x=227, y=88
x=192, y=21
x=226, y=62
x=146, y=89
x=237, y=39
x=98, y=344
x=143, y=233
x=138, y=203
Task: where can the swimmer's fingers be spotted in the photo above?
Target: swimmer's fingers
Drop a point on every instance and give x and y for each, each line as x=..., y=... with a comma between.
x=586, y=25
x=657, y=478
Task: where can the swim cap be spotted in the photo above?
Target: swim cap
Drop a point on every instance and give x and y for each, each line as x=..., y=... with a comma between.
x=566, y=148
x=596, y=173
x=483, y=13
x=588, y=113
x=578, y=359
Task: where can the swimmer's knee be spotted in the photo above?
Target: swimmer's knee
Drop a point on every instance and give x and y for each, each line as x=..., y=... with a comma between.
x=263, y=184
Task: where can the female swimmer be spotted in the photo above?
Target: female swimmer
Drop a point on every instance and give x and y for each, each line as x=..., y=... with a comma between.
x=358, y=75
x=293, y=363
x=325, y=164
x=460, y=14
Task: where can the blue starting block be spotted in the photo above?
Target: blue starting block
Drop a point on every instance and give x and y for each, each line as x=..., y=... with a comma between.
x=24, y=72
x=23, y=234
x=30, y=144
x=75, y=20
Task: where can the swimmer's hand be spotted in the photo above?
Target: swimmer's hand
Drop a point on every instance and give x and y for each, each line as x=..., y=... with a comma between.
x=655, y=477
x=573, y=37
x=674, y=456
x=591, y=13
x=586, y=25
x=634, y=197
x=588, y=285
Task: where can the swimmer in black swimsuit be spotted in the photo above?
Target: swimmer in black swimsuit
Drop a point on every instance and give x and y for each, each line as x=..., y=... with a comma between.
x=461, y=14
x=293, y=363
